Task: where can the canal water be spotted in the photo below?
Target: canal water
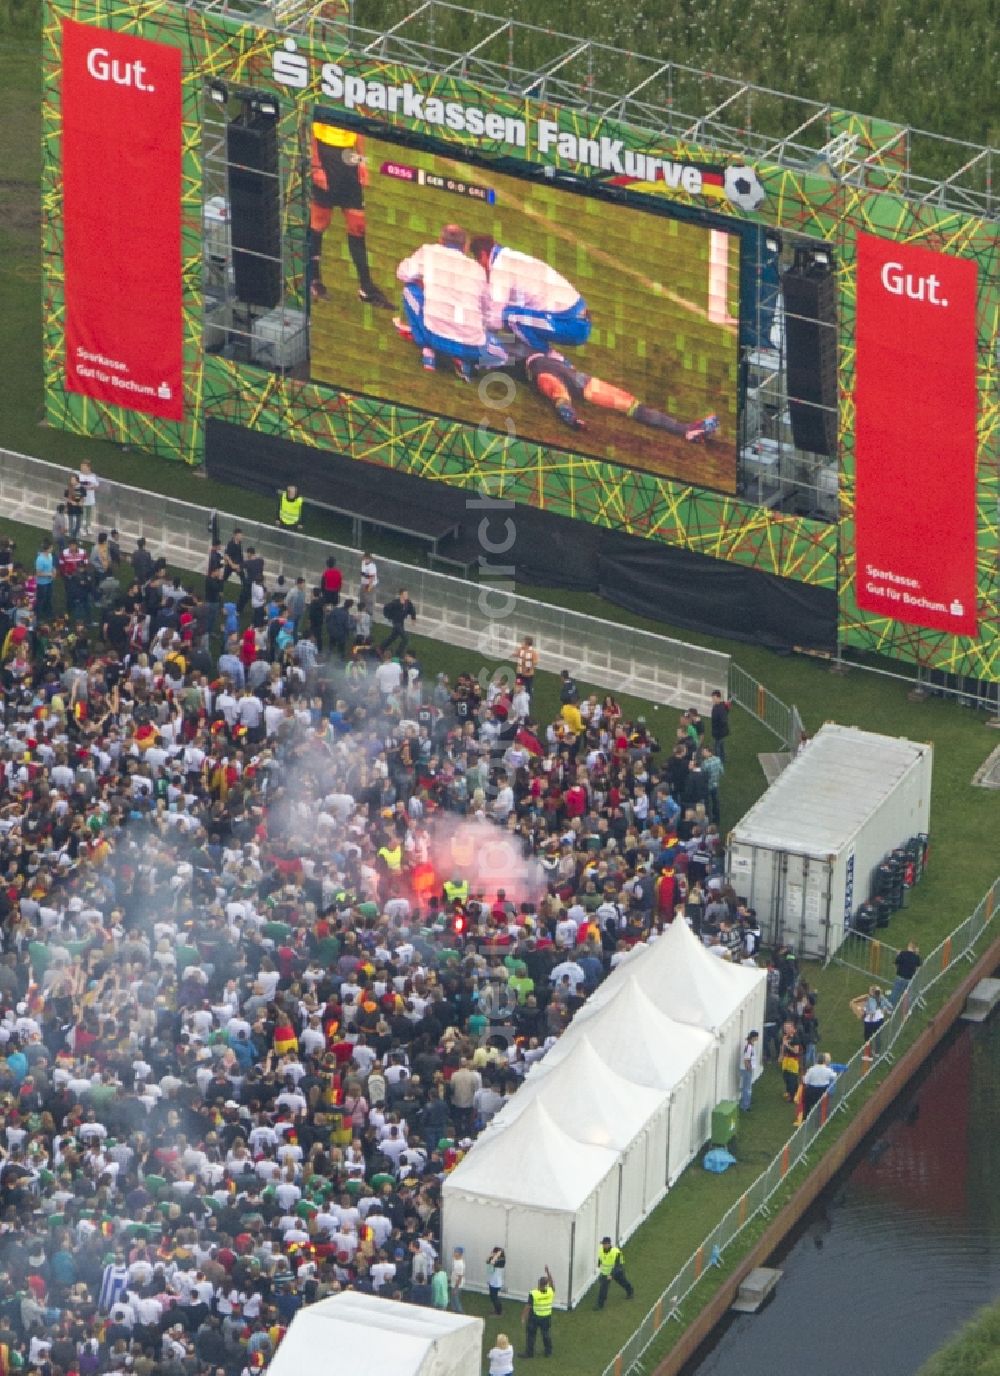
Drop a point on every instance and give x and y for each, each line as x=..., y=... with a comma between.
x=902, y=1247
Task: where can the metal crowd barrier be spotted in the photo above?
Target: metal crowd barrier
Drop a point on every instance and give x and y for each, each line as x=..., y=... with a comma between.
x=486, y=618
x=757, y=1198
x=750, y=694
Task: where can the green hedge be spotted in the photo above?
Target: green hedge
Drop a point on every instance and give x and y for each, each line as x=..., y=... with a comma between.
x=974, y=1352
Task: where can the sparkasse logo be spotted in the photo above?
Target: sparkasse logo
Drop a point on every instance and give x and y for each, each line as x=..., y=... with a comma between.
x=289, y=67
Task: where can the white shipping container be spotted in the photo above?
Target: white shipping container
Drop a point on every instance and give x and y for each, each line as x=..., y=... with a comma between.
x=280, y=339
x=805, y=854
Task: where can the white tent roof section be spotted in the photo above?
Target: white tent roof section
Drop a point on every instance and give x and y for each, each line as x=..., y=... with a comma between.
x=368, y=1336
x=684, y=980
x=588, y=1099
x=642, y=1044
x=636, y=1039
x=594, y=1103
x=533, y=1163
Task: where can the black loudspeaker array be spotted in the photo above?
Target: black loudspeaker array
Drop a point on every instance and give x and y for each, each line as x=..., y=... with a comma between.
x=254, y=207
x=811, y=353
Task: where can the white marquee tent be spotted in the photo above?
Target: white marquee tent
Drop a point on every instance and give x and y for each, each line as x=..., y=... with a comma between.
x=643, y=1044
x=595, y=1104
x=369, y=1336
x=688, y=983
x=545, y=1198
x=608, y=1119
x=692, y=986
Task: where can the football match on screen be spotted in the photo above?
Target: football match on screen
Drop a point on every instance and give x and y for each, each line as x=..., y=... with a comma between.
x=613, y=329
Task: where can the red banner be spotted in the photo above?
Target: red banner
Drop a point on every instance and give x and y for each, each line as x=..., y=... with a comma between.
x=915, y=436
x=121, y=163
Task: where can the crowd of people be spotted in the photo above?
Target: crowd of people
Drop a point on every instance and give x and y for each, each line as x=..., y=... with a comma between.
x=283, y=924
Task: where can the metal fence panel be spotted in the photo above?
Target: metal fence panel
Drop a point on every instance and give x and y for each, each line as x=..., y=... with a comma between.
x=871, y=957
x=482, y=617
x=750, y=694
x=758, y=1197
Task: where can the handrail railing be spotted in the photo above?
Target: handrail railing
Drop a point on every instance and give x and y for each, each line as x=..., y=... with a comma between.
x=489, y=619
x=958, y=945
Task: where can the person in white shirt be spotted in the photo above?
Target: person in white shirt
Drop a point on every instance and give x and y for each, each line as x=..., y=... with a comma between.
x=446, y=302
x=250, y=712
x=568, y=969
x=287, y=1192
x=520, y=703
x=381, y=1272
x=749, y=1069
x=228, y=705
x=503, y=803
x=389, y=677
x=566, y=932
x=380, y=1225
x=312, y=1039
x=501, y=1356
x=816, y=1081
x=577, y=913
x=292, y=1099
x=529, y=298
x=89, y=482
x=368, y=583
x=393, y=1146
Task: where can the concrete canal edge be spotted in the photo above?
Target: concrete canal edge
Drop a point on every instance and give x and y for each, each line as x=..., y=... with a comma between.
x=826, y=1168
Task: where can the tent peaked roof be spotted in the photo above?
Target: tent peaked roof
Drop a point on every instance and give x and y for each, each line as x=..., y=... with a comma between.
x=589, y=1100
x=372, y=1336
x=391, y=1315
x=636, y=1038
x=688, y=983
x=532, y=1162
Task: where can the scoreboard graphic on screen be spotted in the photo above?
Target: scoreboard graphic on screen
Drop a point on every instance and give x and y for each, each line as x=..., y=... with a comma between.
x=454, y=232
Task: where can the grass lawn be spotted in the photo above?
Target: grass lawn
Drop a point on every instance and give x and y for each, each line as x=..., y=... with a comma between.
x=974, y=1352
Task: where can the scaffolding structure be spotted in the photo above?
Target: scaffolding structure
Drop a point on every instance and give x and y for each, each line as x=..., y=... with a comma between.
x=667, y=99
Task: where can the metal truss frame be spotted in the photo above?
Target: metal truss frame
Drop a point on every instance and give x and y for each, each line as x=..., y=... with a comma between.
x=668, y=99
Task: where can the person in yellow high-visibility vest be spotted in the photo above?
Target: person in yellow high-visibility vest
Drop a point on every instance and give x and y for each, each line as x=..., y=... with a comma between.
x=391, y=856
x=290, y=508
x=456, y=890
x=610, y=1267
x=339, y=177
x=537, y=1315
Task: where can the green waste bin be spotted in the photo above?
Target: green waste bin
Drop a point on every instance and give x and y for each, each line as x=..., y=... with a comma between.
x=724, y=1118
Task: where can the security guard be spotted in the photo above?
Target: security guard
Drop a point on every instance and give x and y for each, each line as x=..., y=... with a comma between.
x=391, y=856
x=611, y=1266
x=537, y=1315
x=290, y=508
x=456, y=890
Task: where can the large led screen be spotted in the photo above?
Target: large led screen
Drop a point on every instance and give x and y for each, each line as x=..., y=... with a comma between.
x=615, y=329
